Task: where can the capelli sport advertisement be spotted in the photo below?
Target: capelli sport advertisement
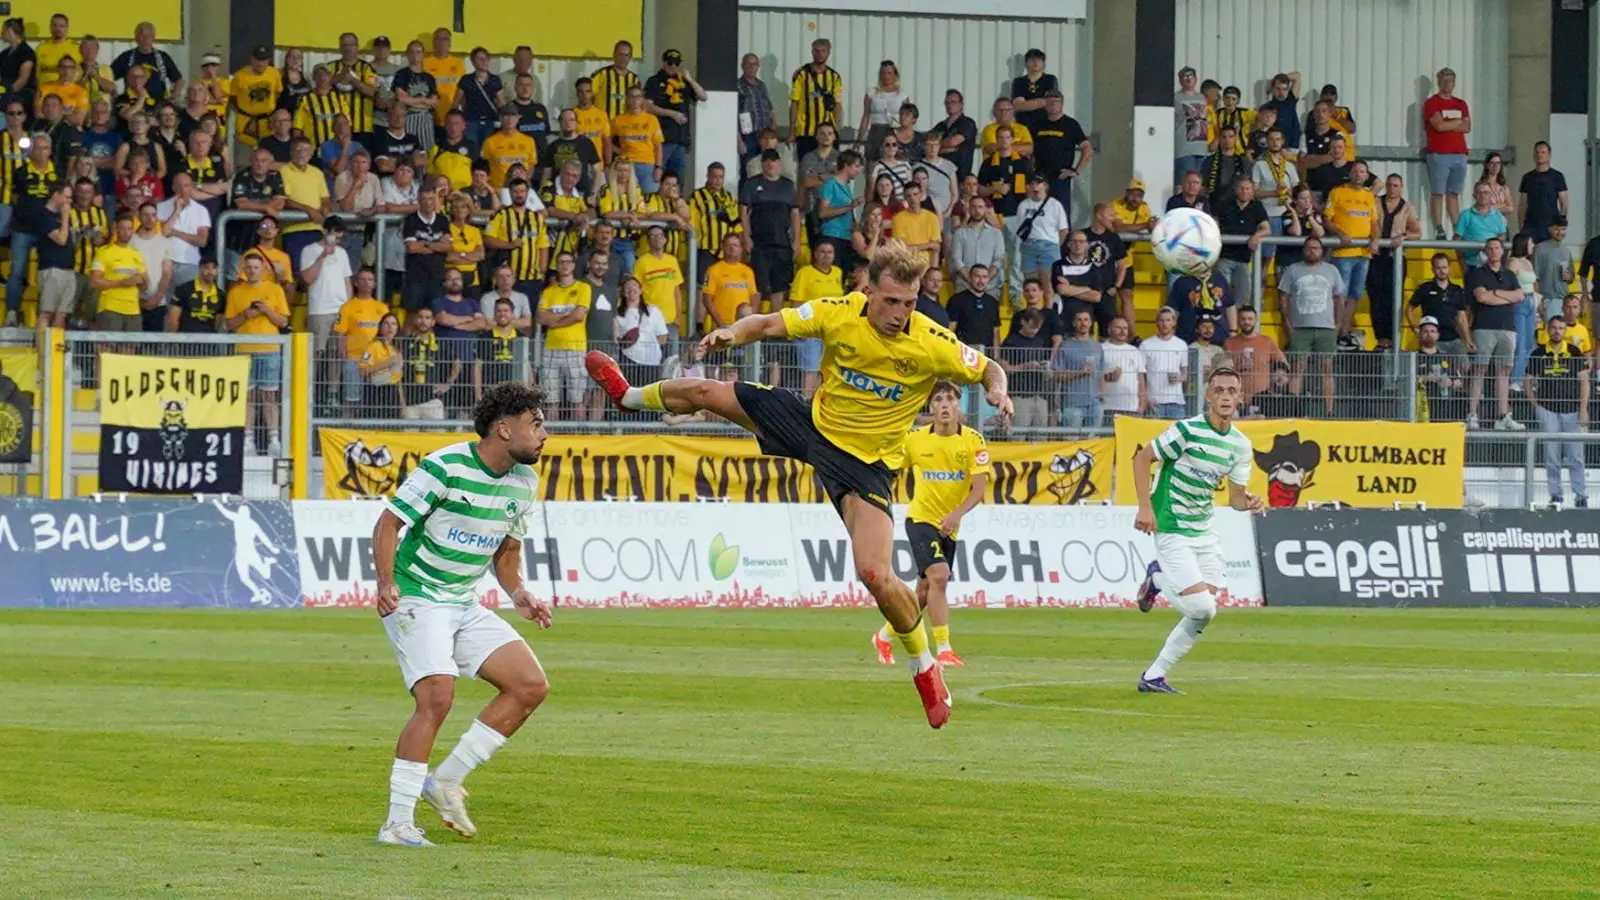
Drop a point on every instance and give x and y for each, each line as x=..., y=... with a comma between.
x=668, y=468
x=1301, y=461
x=172, y=426
x=148, y=553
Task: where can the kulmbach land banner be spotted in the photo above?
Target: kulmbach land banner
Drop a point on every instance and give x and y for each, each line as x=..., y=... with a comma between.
x=172, y=425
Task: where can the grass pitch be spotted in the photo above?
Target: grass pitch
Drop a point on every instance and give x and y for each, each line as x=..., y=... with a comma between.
x=763, y=754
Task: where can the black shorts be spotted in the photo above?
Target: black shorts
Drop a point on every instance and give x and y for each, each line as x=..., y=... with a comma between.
x=929, y=546
x=784, y=428
x=774, y=268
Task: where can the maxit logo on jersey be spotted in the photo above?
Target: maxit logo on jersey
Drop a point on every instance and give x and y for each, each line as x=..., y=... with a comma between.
x=1407, y=567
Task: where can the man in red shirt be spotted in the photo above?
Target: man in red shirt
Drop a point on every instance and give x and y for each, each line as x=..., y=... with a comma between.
x=1447, y=122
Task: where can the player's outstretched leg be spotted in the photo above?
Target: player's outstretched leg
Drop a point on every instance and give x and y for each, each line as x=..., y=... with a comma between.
x=1198, y=604
x=872, y=543
x=678, y=395
x=434, y=695
x=515, y=671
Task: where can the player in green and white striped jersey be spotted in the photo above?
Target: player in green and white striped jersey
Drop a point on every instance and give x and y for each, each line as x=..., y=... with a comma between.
x=464, y=510
x=1197, y=455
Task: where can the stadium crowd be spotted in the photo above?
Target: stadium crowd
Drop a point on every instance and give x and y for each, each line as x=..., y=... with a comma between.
x=572, y=227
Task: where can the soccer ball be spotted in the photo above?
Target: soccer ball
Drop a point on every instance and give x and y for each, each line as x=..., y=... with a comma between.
x=1187, y=241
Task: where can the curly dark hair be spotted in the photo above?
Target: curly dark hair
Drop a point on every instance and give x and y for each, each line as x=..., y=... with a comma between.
x=508, y=398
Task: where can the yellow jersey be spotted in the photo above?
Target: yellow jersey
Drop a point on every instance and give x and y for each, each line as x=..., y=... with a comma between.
x=240, y=296
x=453, y=161
x=119, y=261
x=811, y=283
x=594, y=124
x=730, y=285
x=255, y=96
x=465, y=239
x=817, y=97
x=358, y=322
x=303, y=184
x=611, y=89
x=316, y=114
x=638, y=136
x=660, y=278
x=874, y=386
x=527, y=230
x=1019, y=135
x=563, y=240
x=1354, y=211
x=74, y=97
x=504, y=151
x=447, y=74
x=944, y=467
x=374, y=357
x=1139, y=215
x=502, y=344
x=47, y=57
x=558, y=299
x=918, y=227
x=1577, y=334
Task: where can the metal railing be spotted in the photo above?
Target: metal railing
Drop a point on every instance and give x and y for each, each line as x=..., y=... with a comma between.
x=1504, y=453
x=386, y=223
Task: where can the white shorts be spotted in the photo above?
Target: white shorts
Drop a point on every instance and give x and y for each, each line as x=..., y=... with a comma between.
x=1188, y=561
x=438, y=639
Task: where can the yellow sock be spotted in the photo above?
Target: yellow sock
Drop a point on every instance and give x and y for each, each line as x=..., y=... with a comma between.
x=915, y=641
x=650, y=397
x=941, y=635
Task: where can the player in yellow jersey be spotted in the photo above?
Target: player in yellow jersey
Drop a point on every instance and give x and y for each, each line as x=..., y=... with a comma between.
x=880, y=359
x=951, y=464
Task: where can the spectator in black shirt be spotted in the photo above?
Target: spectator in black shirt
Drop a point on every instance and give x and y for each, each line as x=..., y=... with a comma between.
x=393, y=144
x=570, y=147
x=66, y=137
x=426, y=234
x=1029, y=91
x=1242, y=216
x=1441, y=377
x=975, y=318
x=1542, y=195
x=1060, y=148
x=165, y=78
x=1026, y=355
x=1193, y=300
x=1190, y=195
x=771, y=223
x=1446, y=304
x=32, y=183
x=533, y=119
x=1495, y=295
x=1589, y=270
x=1558, y=385
x=1224, y=167
x=958, y=133
x=19, y=77
x=58, y=286
x=670, y=94
x=1335, y=171
x=1003, y=179
x=197, y=306
x=1080, y=286
x=928, y=298
x=1277, y=401
x=256, y=189
x=1034, y=296
x=280, y=143
x=1110, y=258
x=1319, y=138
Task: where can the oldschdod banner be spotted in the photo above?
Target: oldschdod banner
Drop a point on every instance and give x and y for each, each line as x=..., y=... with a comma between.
x=673, y=468
x=778, y=555
x=172, y=425
x=148, y=553
x=1446, y=557
x=1300, y=461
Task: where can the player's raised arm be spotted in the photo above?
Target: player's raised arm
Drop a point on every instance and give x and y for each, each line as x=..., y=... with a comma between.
x=748, y=330
x=996, y=386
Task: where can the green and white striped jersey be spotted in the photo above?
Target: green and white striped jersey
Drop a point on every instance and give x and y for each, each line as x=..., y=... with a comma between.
x=1195, y=459
x=457, y=513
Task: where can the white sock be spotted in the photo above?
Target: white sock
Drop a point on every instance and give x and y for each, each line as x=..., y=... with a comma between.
x=405, y=786
x=944, y=648
x=633, y=399
x=885, y=633
x=1179, y=642
x=475, y=747
x=921, y=663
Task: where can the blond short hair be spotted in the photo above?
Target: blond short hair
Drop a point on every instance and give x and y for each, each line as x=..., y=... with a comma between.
x=896, y=259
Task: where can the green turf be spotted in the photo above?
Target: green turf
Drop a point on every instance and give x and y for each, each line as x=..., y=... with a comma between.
x=708, y=754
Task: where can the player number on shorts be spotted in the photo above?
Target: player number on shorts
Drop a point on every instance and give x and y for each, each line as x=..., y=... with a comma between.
x=224, y=442
x=938, y=551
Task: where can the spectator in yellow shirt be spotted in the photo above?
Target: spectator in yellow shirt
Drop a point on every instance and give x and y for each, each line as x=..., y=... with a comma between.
x=357, y=328
x=919, y=227
x=508, y=147
x=1577, y=333
x=1352, y=216
x=447, y=72
x=592, y=121
x=661, y=279
x=48, y=55
x=729, y=295
x=466, y=240
x=257, y=306
x=819, y=279
x=118, y=273
x=1131, y=210
x=638, y=137
x=74, y=96
x=1005, y=114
